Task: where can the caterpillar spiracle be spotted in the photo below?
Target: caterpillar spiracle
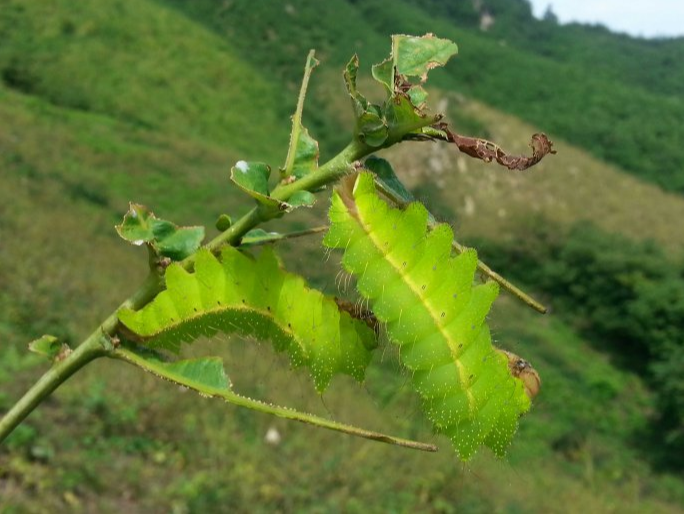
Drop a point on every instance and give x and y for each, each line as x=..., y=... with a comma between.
x=430, y=308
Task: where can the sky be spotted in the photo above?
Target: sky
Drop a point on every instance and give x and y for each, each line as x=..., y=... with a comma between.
x=647, y=18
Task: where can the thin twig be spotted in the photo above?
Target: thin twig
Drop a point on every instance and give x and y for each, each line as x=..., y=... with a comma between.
x=231, y=397
x=275, y=236
x=311, y=63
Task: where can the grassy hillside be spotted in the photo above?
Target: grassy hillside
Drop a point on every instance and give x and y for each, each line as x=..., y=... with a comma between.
x=651, y=64
x=616, y=121
x=141, y=64
x=134, y=100
x=590, y=87
x=612, y=114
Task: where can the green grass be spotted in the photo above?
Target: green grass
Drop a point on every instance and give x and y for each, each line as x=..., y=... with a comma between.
x=161, y=123
x=142, y=64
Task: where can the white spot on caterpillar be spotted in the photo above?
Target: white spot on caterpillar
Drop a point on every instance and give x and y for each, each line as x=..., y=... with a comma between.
x=242, y=166
x=138, y=242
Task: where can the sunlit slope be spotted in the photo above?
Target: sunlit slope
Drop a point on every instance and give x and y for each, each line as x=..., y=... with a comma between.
x=489, y=201
x=142, y=63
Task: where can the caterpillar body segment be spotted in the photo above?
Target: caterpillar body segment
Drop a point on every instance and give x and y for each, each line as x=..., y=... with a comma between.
x=254, y=298
x=426, y=298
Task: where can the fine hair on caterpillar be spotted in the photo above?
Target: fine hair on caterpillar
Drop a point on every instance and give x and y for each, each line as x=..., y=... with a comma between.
x=426, y=299
x=232, y=295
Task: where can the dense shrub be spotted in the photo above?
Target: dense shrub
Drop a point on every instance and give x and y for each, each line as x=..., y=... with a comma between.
x=625, y=296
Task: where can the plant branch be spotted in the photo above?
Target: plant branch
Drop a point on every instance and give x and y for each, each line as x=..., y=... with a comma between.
x=331, y=171
x=273, y=237
x=311, y=63
x=282, y=412
x=93, y=347
x=51, y=380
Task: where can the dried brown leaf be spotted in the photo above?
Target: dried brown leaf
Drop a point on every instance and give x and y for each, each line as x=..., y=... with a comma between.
x=487, y=151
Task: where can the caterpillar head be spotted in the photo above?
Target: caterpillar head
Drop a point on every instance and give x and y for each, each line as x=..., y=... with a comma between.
x=357, y=311
x=522, y=369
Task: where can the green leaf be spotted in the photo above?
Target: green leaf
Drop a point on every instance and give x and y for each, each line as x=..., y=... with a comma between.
x=257, y=236
x=252, y=178
x=384, y=73
x=302, y=199
x=177, y=243
x=306, y=154
x=359, y=102
x=46, y=346
x=205, y=374
x=258, y=300
x=402, y=115
x=140, y=226
x=415, y=56
x=224, y=222
x=418, y=96
x=388, y=179
x=371, y=129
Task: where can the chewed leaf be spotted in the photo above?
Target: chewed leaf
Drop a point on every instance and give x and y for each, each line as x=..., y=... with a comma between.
x=431, y=309
x=140, y=226
x=487, y=151
x=358, y=100
x=252, y=178
x=254, y=299
x=205, y=374
x=404, y=114
x=415, y=56
x=384, y=73
x=207, y=377
x=401, y=115
x=48, y=346
x=306, y=154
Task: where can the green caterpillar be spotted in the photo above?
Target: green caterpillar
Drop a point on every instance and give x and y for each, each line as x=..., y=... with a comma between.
x=431, y=309
x=254, y=298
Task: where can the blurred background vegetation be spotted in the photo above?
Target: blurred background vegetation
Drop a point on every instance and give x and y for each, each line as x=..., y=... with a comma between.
x=103, y=102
